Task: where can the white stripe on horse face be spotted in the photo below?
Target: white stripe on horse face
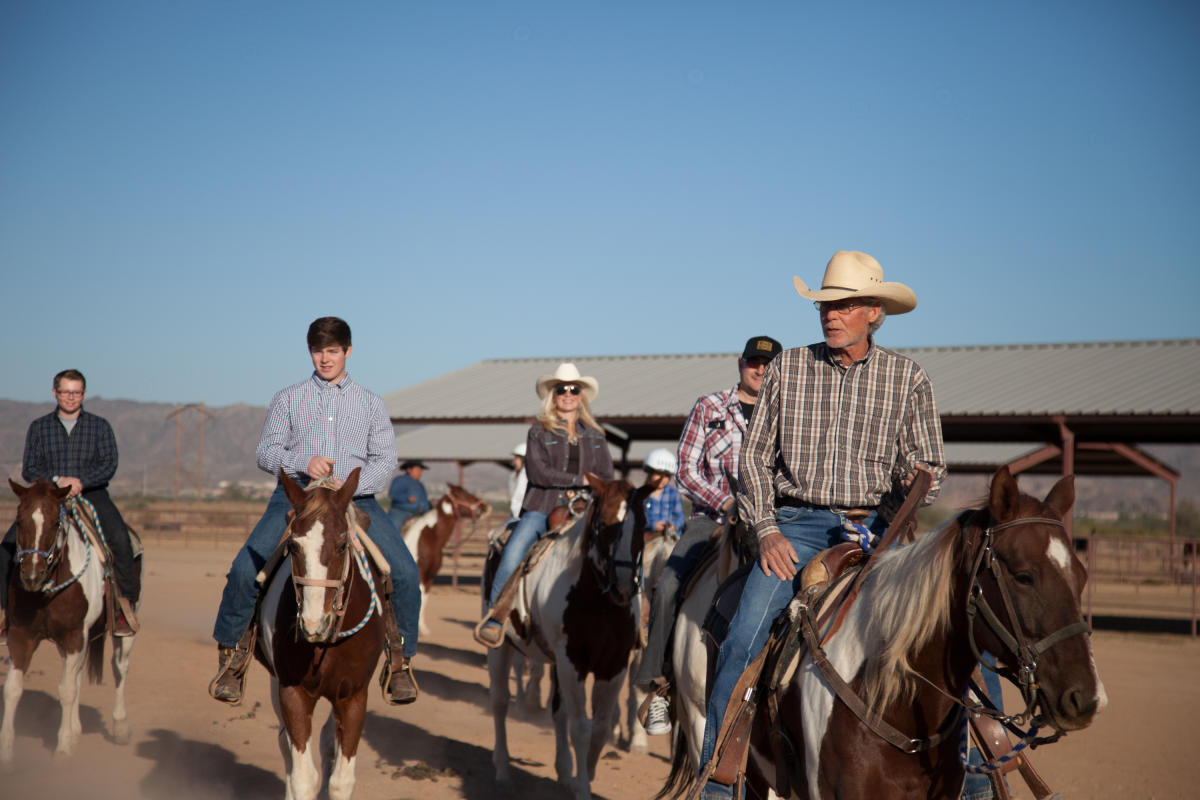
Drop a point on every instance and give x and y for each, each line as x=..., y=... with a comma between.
x=621, y=512
x=39, y=524
x=447, y=508
x=314, y=596
x=1060, y=554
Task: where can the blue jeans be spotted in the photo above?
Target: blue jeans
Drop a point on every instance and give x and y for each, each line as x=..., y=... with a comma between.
x=529, y=529
x=398, y=516
x=809, y=531
x=241, y=591
x=978, y=787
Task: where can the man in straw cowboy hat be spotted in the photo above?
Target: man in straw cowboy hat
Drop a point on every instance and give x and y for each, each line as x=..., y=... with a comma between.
x=840, y=427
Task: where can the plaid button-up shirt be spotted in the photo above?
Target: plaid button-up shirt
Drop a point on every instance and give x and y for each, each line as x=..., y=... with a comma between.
x=341, y=421
x=708, y=451
x=88, y=452
x=838, y=436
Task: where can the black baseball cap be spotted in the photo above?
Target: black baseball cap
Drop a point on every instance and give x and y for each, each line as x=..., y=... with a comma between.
x=762, y=347
x=408, y=464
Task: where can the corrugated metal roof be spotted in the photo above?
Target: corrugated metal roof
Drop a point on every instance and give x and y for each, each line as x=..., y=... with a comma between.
x=1102, y=378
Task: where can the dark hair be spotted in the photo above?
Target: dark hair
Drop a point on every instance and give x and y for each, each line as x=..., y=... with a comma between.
x=70, y=375
x=328, y=331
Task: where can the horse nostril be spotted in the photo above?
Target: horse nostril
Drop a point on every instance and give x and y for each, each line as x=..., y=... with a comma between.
x=1078, y=704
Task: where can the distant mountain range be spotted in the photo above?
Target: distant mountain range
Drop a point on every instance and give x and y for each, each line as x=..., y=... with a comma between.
x=147, y=434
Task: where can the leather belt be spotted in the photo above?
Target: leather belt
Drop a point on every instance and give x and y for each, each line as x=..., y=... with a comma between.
x=782, y=501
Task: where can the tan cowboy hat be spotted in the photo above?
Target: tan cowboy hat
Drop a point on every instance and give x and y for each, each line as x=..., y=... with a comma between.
x=568, y=373
x=853, y=274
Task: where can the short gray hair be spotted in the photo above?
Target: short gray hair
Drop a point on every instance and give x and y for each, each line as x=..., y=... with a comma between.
x=874, y=326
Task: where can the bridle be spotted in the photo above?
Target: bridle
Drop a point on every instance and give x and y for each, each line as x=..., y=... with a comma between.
x=606, y=576
x=1026, y=652
x=54, y=555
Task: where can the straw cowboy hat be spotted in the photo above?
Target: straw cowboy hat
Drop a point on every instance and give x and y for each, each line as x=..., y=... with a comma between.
x=853, y=274
x=568, y=373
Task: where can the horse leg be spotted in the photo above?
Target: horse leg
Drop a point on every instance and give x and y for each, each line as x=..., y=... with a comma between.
x=350, y=714
x=120, y=666
x=21, y=654
x=499, y=665
x=69, y=728
x=534, y=670
x=637, y=734
x=295, y=715
x=421, y=626
x=571, y=723
x=606, y=712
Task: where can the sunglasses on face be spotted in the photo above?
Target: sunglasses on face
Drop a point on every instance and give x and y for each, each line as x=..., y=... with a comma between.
x=563, y=388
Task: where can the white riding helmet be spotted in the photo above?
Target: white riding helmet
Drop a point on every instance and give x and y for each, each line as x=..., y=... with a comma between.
x=519, y=450
x=661, y=460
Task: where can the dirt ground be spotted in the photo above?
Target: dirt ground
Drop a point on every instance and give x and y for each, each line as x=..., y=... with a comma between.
x=186, y=746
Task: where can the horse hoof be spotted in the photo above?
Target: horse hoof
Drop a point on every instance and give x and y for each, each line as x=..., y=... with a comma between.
x=122, y=734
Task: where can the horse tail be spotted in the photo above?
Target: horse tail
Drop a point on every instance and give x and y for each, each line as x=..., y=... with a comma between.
x=682, y=776
x=95, y=646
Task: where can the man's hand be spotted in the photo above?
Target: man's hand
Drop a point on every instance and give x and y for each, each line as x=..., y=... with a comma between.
x=777, y=556
x=75, y=484
x=661, y=525
x=907, y=480
x=320, y=466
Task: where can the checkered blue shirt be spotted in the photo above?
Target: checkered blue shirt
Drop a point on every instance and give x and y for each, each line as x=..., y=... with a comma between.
x=88, y=452
x=341, y=421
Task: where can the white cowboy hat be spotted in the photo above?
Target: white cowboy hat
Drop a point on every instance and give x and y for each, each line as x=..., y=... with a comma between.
x=569, y=373
x=853, y=274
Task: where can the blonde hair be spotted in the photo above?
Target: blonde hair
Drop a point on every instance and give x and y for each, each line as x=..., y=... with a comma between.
x=551, y=421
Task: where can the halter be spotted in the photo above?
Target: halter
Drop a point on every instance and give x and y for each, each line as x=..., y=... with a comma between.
x=344, y=583
x=1015, y=639
x=55, y=552
x=608, y=578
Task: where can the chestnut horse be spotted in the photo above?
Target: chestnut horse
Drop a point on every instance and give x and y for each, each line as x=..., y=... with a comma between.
x=59, y=595
x=578, y=609
x=322, y=633
x=880, y=713
x=426, y=535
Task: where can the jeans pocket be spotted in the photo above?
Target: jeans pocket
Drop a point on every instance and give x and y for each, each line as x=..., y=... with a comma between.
x=788, y=514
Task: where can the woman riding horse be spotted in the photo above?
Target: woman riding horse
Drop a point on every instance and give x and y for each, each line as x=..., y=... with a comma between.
x=563, y=444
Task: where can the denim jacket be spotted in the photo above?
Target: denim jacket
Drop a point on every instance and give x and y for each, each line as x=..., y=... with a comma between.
x=546, y=454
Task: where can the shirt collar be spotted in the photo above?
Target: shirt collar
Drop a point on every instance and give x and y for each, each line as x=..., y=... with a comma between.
x=323, y=384
x=826, y=353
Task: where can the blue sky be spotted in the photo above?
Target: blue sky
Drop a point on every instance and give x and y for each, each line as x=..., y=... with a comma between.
x=185, y=186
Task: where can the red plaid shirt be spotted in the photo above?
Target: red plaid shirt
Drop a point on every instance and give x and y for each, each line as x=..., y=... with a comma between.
x=709, y=449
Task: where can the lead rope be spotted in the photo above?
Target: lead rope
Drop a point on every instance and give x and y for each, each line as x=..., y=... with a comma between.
x=360, y=561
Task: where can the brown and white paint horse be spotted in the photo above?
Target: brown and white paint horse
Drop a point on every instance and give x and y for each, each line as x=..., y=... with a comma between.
x=581, y=608
x=909, y=642
x=321, y=635
x=426, y=535
x=58, y=595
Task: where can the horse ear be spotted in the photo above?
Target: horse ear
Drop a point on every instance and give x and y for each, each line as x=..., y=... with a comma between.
x=1002, y=501
x=346, y=493
x=1062, y=496
x=295, y=494
x=17, y=488
x=594, y=481
x=61, y=492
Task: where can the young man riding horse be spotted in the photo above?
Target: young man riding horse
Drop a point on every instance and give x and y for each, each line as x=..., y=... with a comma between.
x=563, y=445
x=839, y=425
x=71, y=447
x=708, y=462
x=322, y=427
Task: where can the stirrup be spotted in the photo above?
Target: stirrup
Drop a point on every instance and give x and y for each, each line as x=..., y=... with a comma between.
x=398, y=694
x=124, y=612
x=490, y=636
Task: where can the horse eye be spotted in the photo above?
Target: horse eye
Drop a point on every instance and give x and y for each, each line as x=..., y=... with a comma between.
x=342, y=548
x=1024, y=578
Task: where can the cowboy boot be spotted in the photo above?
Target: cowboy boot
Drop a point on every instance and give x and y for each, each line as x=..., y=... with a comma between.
x=396, y=678
x=230, y=681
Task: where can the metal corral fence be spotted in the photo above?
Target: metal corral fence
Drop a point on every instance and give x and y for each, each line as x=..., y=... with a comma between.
x=1142, y=576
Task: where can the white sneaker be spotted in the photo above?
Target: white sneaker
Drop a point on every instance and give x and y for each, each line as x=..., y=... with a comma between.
x=658, y=718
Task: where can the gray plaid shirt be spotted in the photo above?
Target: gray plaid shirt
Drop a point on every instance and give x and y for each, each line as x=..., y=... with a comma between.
x=837, y=436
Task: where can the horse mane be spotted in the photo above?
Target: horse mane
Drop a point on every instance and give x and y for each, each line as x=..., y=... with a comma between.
x=315, y=504
x=910, y=604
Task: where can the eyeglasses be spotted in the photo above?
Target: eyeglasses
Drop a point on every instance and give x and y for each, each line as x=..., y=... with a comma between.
x=843, y=306
x=563, y=388
x=62, y=393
